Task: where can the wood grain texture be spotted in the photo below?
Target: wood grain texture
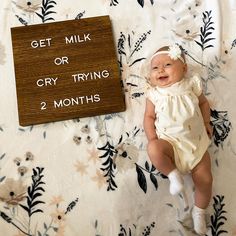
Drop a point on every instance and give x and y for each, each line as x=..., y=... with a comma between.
x=72, y=89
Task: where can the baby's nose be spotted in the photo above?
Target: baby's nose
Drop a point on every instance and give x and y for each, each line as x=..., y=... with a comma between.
x=160, y=69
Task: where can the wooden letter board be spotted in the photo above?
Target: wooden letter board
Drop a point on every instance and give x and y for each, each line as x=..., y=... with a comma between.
x=66, y=70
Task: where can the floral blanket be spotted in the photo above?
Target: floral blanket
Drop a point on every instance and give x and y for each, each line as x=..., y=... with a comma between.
x=92, y=176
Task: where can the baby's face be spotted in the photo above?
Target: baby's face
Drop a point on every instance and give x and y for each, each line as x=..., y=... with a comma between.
x=166, y=71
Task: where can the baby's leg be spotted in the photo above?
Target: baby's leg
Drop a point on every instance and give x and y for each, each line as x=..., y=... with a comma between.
x=161, y=154
x=202, y=179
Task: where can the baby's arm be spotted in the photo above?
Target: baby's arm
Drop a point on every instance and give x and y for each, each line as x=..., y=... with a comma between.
x=205, y=110
x=149, y=121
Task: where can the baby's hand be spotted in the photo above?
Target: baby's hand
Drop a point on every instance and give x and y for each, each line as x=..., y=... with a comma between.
x=209, y=129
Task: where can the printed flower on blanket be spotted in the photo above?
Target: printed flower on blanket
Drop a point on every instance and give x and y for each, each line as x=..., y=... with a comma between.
x=23, y=164
x=28, y=5
x=186, y=28
x=26, y=201
x=58, y=216
x=127, y=156
x=122, y=156
x=12, y=192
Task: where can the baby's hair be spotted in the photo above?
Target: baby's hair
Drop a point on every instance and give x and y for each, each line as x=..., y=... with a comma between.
x=166, y=48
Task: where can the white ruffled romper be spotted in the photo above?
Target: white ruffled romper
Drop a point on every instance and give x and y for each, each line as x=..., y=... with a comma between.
x=179, y=121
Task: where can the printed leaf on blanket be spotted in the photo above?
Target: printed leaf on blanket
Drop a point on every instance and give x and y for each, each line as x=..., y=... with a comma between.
x=206, y=31
x=9, y=220
x=2, y=177
x=218, y=218
x=109, y=166
x=233, y=44
x=214, y=69
x=114, y=2
x=132, y=231
x=45, y=10
x=79, y=15
x=221, y=126
x=141, y=179
x=22, y=21
x=141, y=2
x=120, y=157
x=34, y=192
x=71, y=205
x=194, y=59
x=126, y=48
x=153, y=174
x=124, y=156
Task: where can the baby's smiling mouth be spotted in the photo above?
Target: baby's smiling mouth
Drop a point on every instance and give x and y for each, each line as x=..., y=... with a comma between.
x=163, y=77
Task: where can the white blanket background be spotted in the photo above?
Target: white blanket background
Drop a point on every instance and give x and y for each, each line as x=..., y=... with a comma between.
x=92, y=176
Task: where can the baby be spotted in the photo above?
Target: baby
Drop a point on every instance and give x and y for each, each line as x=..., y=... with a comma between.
x=177, y=126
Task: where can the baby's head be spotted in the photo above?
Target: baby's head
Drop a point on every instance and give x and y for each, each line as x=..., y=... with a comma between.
x=167, y=66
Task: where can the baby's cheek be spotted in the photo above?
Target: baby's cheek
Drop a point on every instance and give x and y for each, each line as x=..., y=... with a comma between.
x=153, y=79
x=153, y=74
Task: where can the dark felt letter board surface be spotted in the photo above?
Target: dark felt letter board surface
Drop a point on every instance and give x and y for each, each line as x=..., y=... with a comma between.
x=66, y=70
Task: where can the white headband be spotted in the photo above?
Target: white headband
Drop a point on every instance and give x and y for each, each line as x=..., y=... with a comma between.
x=174, y=52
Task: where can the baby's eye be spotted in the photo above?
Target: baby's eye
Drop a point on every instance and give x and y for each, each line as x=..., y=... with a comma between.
x=167, y=64
x=155, y=68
